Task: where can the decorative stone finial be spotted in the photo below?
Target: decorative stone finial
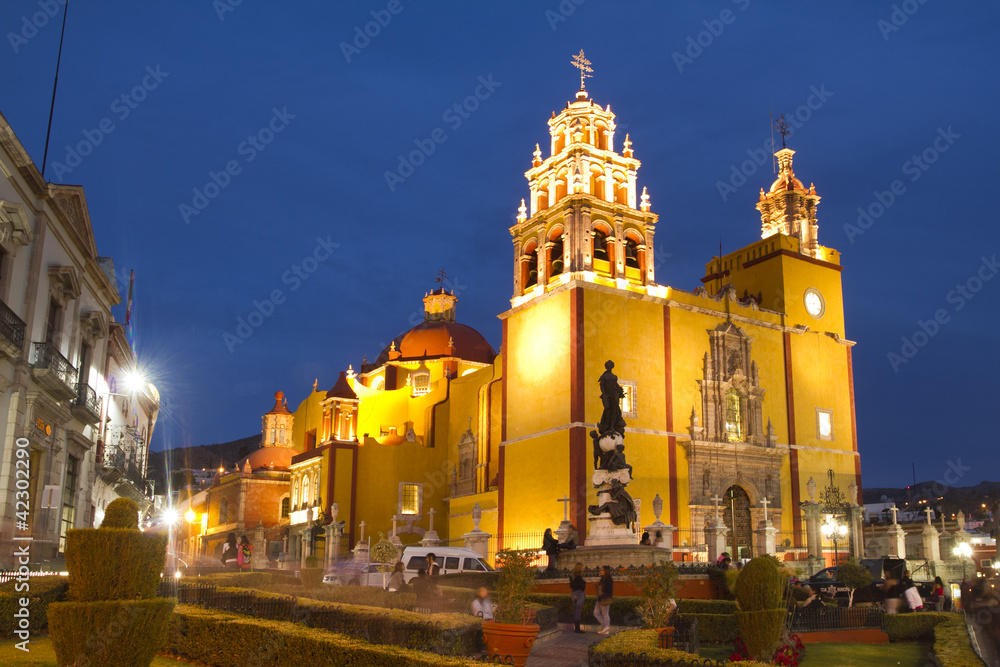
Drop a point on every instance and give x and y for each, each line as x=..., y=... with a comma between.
x=644, y=206
x=627, y=146
x=522, y=212
x=537, y=156
x=477, y=516
x=657, y=506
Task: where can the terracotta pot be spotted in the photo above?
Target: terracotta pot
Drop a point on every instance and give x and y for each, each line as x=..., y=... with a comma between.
x=503, y=639
x=666, y=637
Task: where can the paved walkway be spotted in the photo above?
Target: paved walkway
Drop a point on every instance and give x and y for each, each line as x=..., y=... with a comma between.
x=565, y=649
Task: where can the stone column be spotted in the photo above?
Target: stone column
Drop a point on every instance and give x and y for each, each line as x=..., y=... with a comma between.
x=332, y=536
x=765, y=537
x=283, y=561
x=855, y=526
x=932, y=549
x=814, y=535
x=259, y=561
x=476, y=539
x=715, y=535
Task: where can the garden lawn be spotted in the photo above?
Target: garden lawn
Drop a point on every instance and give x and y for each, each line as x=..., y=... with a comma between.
x=41, y=654
x=905, y=654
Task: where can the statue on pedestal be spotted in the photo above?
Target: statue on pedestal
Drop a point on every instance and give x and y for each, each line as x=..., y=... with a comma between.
x=612, y=473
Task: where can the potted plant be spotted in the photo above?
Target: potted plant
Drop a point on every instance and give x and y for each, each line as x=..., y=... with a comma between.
x=656, y=586
x=510, y=632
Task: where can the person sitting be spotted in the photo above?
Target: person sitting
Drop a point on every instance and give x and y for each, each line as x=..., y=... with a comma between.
x=572, y=538
x=482, y=606
x=550, y=545
x=644, y=542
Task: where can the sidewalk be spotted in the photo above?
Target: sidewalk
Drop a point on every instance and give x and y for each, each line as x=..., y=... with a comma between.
x=566, y=649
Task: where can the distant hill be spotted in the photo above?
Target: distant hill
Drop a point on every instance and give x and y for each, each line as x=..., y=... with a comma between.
x=948, y=499
x=224, y=454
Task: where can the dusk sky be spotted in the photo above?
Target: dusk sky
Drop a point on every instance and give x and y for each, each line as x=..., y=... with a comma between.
x=893, y=106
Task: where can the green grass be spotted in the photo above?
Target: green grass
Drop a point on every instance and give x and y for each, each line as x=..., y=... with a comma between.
x=905, y=654
x=41, y=654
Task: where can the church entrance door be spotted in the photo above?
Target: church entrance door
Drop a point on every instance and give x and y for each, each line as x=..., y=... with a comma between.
x=736, y=514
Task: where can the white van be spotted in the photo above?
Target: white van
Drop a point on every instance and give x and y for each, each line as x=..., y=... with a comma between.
x=449, y=559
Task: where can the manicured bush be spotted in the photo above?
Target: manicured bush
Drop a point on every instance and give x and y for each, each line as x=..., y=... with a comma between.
x=312, y=577
x=719, y=583
x=761, y=630
x=114, y=563
x=759, y=585
x=40, y=591
x=706, y=607
x=640, y=641
x=657, y=588
x=715, y=628
x=220, y=639
x=121, y=513
x=952, y=647
x=116, y=633
x=913, y=627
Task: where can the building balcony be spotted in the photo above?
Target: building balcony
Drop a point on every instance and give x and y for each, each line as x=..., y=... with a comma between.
x=11, y=332
x=87, y=406
x=53, y=371
x=121, y=468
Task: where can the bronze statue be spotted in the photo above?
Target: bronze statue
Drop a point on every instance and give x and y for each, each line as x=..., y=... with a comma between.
x=611, y=396
x=621, y=507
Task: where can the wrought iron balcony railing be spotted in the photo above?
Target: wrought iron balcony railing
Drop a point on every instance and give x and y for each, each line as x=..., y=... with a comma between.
x=87, y=405
x=126, y=463
x=54, y=370
x=11, y=331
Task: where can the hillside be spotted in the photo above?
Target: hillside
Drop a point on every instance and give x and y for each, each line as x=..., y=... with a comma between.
x=224, y=454
x=939, y=496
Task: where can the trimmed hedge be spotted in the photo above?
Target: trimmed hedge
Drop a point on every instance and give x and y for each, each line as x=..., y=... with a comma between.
x=640, y=641
x=116, y=633
x=471, y=580
x=114, y=563
x=706, y=606
x=221, y=639
x=41, y=591
x=121, y=513
x=914, y=627
x=312, y=577
x=952, y=646
x=715, y=628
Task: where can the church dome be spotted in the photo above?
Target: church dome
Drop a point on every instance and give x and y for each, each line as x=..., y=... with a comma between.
x=266, y=457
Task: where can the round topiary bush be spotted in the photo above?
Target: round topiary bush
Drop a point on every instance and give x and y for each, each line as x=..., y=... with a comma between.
x=759, y=585
x=121, y=513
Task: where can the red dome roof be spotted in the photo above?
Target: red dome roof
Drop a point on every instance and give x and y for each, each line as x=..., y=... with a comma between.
x=279, y=457
x=430, y=339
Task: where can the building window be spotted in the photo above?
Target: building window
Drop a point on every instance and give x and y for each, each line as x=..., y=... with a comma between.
x=295, y=492
x=600, y=245
x=53, y=321
x=69, y=500
x=824, y=424
x=629, y=408
x=734, y=417
x=631, y=253
x=223, y=511
x=281, y=434
x=378, y=384
x=305, y=490
x=286, y=507
x=421, y=382
x=410, y=499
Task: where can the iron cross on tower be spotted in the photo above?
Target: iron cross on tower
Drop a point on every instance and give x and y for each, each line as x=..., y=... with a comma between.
x=781, y=125
x=441, y=277
x=582, y=64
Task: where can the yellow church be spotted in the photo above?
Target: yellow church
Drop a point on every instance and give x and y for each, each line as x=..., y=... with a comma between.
x=738, y=397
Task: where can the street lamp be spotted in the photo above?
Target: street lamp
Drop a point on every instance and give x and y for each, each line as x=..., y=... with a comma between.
x=964, y=551
x=833, y=530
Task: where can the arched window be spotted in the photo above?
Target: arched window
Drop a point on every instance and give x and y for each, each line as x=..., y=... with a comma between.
x=286, y=507
x=631, y=253
x=556, y=255
x=223, y=511
x=305, y=490
x=378, y=384
x=281, y=434
x=600, y=245
x=530, y=277
x=421, y=382
x=734, y=416
x=295, y=493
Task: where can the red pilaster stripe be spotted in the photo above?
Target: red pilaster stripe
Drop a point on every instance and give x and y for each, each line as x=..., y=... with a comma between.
x=577, y=413
x=503, y=436
x=354, y=487
x=854, y=423
x=668, y=394
x=793, y=456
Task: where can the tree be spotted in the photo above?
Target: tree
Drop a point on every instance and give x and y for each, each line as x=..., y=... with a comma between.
x=854, y=575
x=385, y=553
x=657, y=587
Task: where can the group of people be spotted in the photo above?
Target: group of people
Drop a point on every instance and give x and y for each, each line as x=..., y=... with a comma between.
x=605, y=596
x=241, y=553
x=656, y=541
x=902, y=595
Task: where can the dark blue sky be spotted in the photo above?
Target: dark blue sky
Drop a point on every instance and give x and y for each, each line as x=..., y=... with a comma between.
x=888, y=89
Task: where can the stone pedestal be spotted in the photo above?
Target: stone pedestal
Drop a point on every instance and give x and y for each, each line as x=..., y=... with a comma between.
x=814, y=535
x=332, y=536
x=715, y=535
x=478, y=541
x=562, y=532
x=897, y=541
x=932, y=548
x=666, y=534
x=259, y=547
x=361, y=552
x=602, y=531
x=855, y=527
x=765, y=537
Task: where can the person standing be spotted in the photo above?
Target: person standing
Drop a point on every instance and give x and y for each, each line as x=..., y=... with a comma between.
x=244, y=556
x=938, y=595
x=229, y=549
x=550, y=545
x=579, y=595
x=605, y=595
x=396, y=581
x=433, y=569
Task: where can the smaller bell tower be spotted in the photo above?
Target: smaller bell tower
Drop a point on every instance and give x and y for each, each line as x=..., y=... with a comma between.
x=789, y=207
x=277, y=424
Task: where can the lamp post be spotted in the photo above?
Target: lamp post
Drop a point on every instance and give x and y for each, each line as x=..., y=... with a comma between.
x=833, y=530
x=964, y=551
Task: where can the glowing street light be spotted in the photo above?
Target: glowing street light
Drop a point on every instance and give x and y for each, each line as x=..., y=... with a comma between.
x=170, y=516
x=833, y=530
x=190, y=516
x=964, y=551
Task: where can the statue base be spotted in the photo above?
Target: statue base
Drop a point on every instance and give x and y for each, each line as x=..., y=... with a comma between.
x=613, y=555
x=602, y=531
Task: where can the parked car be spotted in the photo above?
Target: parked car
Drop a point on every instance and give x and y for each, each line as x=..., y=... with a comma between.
x=825, y=581
x=449, y=559
x=351, y=573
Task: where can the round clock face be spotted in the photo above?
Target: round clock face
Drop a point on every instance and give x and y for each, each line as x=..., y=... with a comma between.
x=815, y=305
